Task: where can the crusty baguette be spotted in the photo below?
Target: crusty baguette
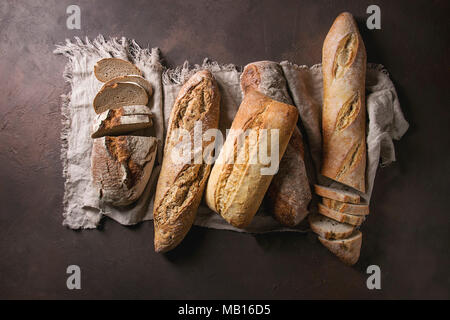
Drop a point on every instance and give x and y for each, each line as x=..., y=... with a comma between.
x=347, y=250
x=340, y=217
x=134, y=79
x=122, y=120
x=121, y=167
x=328, y=228
x=110, y=68
x=350, y=208
x=236, y=186
x=344, y=110
x=118, y=95
x=180, y=185
x=336, y=194
x=289, y=193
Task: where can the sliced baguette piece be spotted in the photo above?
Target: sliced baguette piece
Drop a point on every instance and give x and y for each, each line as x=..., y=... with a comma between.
x=133, y=79
x=110, y=68
x=118, y=95
x=122, y=120
x=347, y=250
x=336, y=194
x=350, y=208
x=341, y=217
x=328, y=228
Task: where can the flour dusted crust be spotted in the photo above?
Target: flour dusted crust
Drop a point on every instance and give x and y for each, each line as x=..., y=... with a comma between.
x=344, y=110
x=236, y=190
x=121, y=167
x=180, y=186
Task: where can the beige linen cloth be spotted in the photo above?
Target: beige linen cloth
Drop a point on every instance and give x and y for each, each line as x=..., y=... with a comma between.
x=81, y=207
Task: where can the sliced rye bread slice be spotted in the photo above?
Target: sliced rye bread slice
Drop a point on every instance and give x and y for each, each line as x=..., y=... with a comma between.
x=123, y=120
x=347, y=250
x=110, y=68
x=350, y=208
x=340, y=217
x=328, y=228
x=118, y=95
x=336, y=194
x=134, y=79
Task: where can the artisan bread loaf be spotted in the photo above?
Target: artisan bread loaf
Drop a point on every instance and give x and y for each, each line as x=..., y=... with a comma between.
x=350, y=208
x=336, y=194
x=110, y=68
x=347, y=250
x=328, y=228
x=289, y=193
x=133, y=79
x=121, y=167
x=340, y=217
x=122, y=120
x=344, y=110
x=181, y=185
x=239, y=180
x=118, y=95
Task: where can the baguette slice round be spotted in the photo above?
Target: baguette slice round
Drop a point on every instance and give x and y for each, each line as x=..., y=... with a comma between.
x=110, y=68
x=133, y=79
x=336, y=194
x=118, y=95
x=347, y=250
x=341, y=217
x=350, y=208
x=328, y=228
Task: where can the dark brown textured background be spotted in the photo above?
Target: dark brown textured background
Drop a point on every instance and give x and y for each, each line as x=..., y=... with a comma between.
x=407, y=233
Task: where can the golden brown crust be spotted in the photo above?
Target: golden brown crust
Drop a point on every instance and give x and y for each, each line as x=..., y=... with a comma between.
x=344, y=114
x=180, y=186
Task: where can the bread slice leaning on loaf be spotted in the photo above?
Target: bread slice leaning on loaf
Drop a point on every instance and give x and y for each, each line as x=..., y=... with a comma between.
x=118, y=95
x=122, y=120
x=181, y=184
x=340, y=217
x=344, y=109
x=289, y=193
x=239, y=180
x=350, y=208
x=121, y=167
x=110, y=68
x=347, y=250
x=328, y=228
x=336, y=194
x=139, y=80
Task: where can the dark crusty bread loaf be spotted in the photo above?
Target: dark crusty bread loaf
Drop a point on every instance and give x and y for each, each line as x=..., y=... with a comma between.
x=289, y=193
x=110, y=68
x=236, y=186
x=347, y=250
x=121, y=167
x=181, y=185
x=328, y=228
x=344, y=110
x=350, y=208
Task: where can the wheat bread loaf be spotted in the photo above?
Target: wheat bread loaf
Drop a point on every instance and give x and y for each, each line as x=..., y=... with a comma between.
x=336, y=194
x=344, y=110
x=238, y=180
x=340, y=217
x=121, y=167
x=110, y=68
x=347, y=250
x=118, y=95
x=350, y=208
x=180, y=185
x=328, y=228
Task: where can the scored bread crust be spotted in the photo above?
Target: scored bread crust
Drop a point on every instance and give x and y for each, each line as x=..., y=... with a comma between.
x=236, y=189
x=328, y=228
x=336, y=194
x=109, y=68
x=289, y=193
x=118, y=95
x=347, y=250
x=340, y=217
x=121, y=167
x=350, y=208
x=344, y=110
x=180, y=186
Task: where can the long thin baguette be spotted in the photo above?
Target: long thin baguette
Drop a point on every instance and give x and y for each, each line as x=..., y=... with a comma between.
x=181, y=185
x=236, y=186
x=344, y=110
